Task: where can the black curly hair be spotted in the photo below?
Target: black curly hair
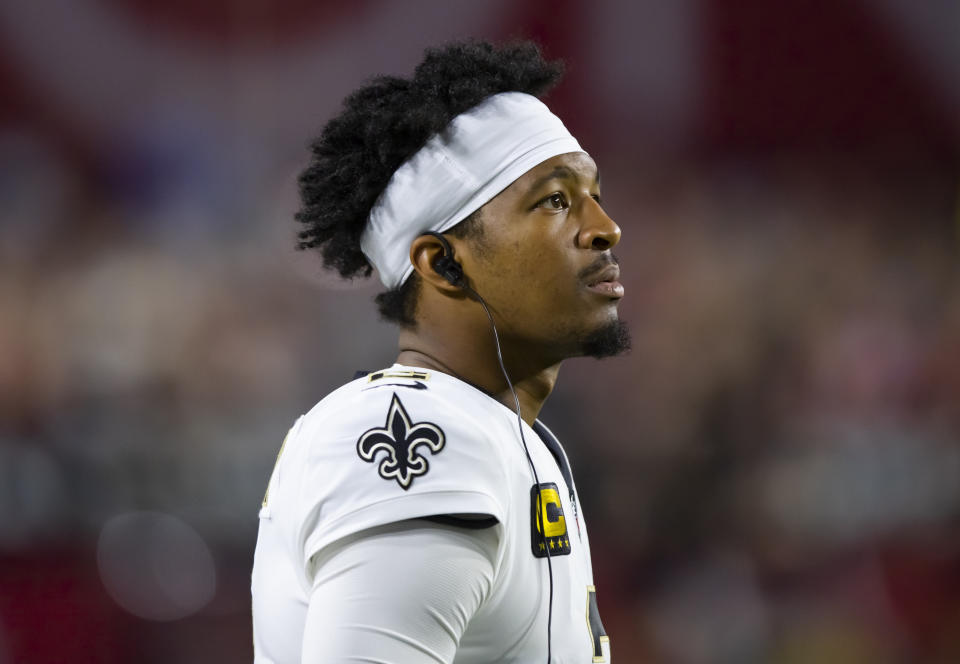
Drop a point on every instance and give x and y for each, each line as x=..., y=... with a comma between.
x=383, y=124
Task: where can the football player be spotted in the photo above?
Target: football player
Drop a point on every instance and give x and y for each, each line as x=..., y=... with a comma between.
x=422, y=513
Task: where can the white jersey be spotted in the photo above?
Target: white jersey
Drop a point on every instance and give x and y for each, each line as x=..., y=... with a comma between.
x=406, y=443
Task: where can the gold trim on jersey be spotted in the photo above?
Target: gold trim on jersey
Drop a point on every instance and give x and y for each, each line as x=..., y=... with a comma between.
x=593, y=612
x=398, y=373
x=266, y=494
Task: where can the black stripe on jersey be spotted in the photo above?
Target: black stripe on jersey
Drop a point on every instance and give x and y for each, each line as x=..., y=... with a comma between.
x=416, y=385
x=463, y=522
x=554, y=446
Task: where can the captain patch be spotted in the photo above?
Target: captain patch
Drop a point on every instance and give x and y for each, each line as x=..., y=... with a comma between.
x=400, y=444
x=548, y=532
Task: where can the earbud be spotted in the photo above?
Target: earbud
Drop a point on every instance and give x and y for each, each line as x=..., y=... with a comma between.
x=446, y=266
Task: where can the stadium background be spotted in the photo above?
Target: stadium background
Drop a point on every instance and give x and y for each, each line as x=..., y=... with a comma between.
x=773, y=474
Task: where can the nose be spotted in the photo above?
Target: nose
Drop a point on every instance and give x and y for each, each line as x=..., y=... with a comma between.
x=598, y=231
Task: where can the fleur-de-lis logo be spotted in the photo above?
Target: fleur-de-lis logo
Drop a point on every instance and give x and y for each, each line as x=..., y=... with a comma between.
x=399, y=438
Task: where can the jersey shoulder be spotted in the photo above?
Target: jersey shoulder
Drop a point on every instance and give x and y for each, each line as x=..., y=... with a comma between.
x=396, y=399
x=398, y=444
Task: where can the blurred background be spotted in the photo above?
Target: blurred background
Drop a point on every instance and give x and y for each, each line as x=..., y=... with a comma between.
x=773, y=474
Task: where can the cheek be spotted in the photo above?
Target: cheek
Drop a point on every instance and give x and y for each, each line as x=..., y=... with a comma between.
x=547, y=286
x=529, y=274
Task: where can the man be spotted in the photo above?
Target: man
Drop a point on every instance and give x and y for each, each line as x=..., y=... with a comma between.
x=421, y=513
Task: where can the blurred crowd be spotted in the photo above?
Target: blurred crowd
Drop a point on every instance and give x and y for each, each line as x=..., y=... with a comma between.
x=772, y=475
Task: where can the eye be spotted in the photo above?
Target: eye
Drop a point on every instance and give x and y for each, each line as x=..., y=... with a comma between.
x=555, y=201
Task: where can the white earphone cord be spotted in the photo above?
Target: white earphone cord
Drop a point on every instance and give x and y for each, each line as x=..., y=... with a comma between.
x=533, y=468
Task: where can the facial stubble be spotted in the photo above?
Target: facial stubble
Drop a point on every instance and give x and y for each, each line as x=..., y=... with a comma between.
x=607, y=341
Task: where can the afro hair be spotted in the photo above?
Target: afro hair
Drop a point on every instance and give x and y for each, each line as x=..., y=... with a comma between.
x=381, y=126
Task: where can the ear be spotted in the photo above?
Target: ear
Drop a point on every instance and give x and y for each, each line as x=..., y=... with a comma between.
x=424, y=252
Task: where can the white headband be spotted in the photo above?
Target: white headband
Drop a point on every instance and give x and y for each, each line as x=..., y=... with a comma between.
x=478, y=155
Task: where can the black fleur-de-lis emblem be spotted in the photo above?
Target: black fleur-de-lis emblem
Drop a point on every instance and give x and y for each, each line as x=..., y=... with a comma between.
x=400, y=440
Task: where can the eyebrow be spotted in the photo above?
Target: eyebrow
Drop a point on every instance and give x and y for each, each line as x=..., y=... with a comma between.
x=559, y=173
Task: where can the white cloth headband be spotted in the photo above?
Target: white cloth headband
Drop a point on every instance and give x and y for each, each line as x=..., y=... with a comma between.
x=479, y=154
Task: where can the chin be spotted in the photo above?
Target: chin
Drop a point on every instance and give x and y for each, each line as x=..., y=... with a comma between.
x=609, y=340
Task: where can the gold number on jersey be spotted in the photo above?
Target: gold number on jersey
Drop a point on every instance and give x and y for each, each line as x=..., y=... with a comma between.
x=387, y=373
x=599, y=641
x=266, y=494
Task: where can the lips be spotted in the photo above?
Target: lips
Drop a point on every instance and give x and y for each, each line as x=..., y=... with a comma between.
x=605, y=282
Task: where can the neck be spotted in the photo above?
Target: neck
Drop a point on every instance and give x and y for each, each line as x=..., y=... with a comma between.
x=473, y=359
